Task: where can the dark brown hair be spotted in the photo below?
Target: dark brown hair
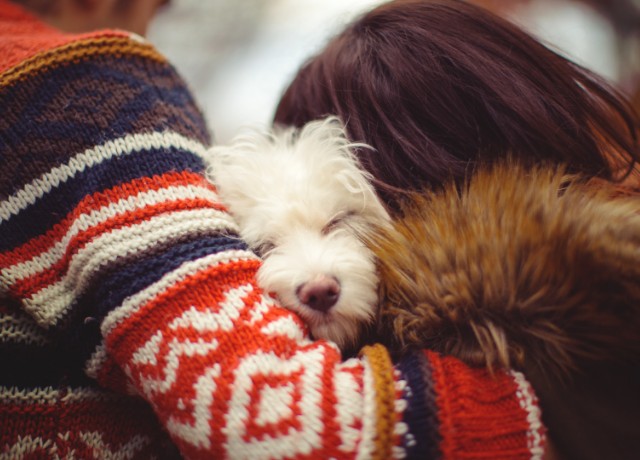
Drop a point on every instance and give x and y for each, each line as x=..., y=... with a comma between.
x=438, y=86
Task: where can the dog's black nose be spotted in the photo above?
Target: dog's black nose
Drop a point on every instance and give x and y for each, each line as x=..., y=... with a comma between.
x=321, y=293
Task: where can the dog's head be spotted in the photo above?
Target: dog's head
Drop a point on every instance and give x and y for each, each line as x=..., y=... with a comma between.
x=304, y=204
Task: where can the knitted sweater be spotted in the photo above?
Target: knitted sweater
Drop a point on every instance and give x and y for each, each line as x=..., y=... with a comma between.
x=130, y=320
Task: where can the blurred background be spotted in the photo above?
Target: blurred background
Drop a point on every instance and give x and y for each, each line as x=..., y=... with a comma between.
x=239, y=55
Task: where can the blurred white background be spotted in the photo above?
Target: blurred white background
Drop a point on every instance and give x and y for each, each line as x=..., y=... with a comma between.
x=239, y=55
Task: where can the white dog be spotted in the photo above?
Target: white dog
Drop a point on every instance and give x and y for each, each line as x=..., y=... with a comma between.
x=302, y=202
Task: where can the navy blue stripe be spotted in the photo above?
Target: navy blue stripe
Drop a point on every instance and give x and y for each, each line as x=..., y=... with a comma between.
x=110, y=76
x=138, y=274
x=69, y=109
x=421, y=414
x=55, y=205
x=134, y=276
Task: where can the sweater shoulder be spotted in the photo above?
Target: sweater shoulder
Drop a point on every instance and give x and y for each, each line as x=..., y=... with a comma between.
x=29, y=45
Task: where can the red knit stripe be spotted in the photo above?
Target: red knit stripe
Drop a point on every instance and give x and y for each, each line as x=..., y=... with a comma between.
x=61, y=422
x=167, y=305
x=98, y=200
x=479, y=418
x=329, y=401
x=27, y=287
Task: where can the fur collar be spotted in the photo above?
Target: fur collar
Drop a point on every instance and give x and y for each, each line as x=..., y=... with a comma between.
x=520, y=265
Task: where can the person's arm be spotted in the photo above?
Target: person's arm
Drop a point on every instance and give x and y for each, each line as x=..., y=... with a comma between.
x=106, y=218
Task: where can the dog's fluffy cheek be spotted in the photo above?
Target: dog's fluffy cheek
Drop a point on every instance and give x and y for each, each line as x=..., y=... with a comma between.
x=275, y=276
x=359, y=297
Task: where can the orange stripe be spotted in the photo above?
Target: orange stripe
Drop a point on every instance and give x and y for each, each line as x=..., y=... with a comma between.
x=382, y=370
x=116, y=46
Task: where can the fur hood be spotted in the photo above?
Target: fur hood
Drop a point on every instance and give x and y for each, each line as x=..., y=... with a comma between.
x=520, y=265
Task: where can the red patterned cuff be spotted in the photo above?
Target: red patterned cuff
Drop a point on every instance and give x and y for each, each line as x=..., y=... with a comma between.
x=483, y=415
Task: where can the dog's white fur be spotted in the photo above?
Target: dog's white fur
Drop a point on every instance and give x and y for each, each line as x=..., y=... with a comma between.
x=303, y=203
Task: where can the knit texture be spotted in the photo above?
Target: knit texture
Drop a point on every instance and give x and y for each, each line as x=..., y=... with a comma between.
x=130, y=313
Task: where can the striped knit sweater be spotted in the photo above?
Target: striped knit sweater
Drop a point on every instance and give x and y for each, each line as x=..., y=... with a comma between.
x=130, y=322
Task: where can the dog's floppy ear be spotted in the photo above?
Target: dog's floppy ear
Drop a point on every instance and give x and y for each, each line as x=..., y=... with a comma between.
x=519, y=266
x=226, y=164
x=235, y=169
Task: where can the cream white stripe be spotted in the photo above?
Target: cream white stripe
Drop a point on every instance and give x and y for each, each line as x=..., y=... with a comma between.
x=48, y=304
x=96, y=361
x=15, y=395
x=21, y=329
x=349, y=409
x=51, y=396
x=527, y=399
x=123, y=451
x=26, y=446
x=135, y=302
x=141, y=237
x=369, y=417
x=400, y=429
x=92, y=157
x=84, y=222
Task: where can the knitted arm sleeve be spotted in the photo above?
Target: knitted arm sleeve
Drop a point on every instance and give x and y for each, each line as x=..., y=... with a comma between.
x=111, y=238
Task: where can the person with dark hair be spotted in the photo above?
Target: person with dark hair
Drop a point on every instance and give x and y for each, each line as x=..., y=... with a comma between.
x=438, y=86
x=512, y=174
x=130, y=318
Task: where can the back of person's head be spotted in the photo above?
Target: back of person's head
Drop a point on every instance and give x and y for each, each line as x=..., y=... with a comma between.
x=437, y=86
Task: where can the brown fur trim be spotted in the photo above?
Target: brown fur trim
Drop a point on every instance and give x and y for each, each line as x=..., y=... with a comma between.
x=519, y=265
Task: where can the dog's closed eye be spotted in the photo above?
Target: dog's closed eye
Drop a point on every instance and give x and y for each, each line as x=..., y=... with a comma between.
x=336, y=221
